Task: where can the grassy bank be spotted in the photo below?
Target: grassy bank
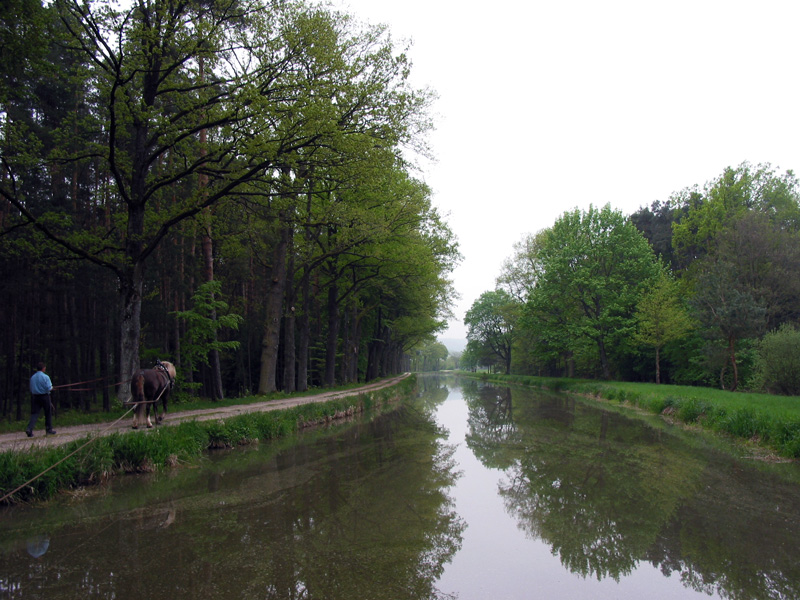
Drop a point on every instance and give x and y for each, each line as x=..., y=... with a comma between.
x=772, y=422
x=168, y=446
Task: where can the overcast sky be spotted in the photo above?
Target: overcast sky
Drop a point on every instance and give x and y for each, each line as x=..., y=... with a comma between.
x=548, y=106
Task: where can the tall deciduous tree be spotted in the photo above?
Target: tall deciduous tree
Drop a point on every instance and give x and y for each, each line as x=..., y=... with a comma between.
x=519, y=272
x=727, y=312
x=595, y=266
x=491, y=323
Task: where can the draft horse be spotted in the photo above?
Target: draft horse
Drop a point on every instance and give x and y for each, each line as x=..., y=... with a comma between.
x=147, y=387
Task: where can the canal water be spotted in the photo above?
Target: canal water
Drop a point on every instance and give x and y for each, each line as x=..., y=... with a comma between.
x=471, y=491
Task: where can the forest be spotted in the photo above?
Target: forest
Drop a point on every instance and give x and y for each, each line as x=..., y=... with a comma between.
x=699, y=289
x=231, y=185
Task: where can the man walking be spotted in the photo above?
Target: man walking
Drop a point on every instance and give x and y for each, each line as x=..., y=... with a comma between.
x=40, y=388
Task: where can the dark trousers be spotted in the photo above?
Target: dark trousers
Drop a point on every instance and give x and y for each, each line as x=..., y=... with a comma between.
x=41, y=402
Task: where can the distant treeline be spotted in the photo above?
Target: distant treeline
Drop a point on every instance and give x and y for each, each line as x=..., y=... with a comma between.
x=702, y=289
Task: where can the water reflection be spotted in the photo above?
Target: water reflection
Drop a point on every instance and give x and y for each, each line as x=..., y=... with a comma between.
x=362, y=512
x=379, y=509
x=607, y=493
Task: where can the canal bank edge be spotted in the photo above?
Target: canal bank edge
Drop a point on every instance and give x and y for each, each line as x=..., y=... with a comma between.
x=95, y=457
x=767, y=431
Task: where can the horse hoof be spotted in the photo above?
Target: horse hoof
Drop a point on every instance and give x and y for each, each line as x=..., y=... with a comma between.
x=134, y=427
x=149, y=426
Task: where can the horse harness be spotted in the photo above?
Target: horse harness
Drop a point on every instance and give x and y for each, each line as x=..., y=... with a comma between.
x=163, y=370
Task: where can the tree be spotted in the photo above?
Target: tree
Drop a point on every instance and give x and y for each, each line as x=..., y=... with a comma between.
x=491, y=321
x=595, y=266
x=727, y=312
x=167, y=145
x=154, y=105
x=661, y=318
x=764, y=258
x=187, y=123
x=728, y=198
x=746, y=283
x=519, y=272
x=656, y=223
x=430, y=356
x=207, y=317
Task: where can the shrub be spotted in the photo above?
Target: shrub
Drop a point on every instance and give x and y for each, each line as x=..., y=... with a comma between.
x=778, y=362
x=786, y=437
x=743, y=422
x=691, y=410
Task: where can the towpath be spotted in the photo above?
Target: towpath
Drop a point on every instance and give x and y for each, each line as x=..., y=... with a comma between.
x=19, y=441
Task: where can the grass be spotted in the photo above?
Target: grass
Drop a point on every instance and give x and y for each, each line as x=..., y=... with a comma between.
x=772, y=422
x=167, y=446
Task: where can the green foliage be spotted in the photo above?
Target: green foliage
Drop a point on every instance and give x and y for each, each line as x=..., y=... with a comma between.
x=127, y=155
x=731, y=195
x=594, y=267
x=428, y=356
x=661, y=317
x=778, y=362
x=207, y=317
x=491, y=323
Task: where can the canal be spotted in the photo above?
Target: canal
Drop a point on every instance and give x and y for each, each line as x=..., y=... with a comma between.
x=469, y=491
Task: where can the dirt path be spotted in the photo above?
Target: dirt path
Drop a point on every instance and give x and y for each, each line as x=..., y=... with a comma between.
x=19, y=441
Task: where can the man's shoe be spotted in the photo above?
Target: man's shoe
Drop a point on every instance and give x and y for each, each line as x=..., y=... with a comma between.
x=29, y=433
x=51, y=432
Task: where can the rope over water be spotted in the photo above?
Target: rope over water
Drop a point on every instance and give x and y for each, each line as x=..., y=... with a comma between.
x=54, y=465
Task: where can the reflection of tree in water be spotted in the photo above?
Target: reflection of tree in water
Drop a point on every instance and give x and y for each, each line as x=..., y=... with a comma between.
x=491, y=422
x=607, y=493
x=433, y=389
x=388, y=526
x=597, y=501
x=360, y=514
x=738, y=538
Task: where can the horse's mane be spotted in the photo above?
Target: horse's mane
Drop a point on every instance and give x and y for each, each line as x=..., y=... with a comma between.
x=170, y=368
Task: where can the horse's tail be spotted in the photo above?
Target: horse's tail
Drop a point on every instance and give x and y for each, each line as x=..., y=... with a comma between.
x=137, y=387
x=137, y=395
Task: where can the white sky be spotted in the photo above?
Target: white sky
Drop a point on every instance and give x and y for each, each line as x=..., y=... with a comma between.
x=548, y=106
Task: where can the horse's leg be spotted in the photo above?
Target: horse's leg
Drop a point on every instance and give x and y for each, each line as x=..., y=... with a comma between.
x=164, y=405
x=149, y=424
x=137, y=393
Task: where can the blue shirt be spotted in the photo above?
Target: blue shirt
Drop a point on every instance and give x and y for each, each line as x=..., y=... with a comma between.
x=40, y=383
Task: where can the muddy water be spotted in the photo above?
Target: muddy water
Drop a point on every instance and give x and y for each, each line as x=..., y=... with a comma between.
x=471, y=491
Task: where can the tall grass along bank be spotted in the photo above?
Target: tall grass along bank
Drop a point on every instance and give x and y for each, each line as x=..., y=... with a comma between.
x=169, y=446
x=772, y=422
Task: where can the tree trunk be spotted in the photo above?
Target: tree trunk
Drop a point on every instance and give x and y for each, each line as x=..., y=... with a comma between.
x=213, y=355
x=658, y=365
x=356, y=343
x=304, y=334
x=344, y=364
x=130, y=327
x=289, y=342
x=333, y=335
x=274, y=303
x=732, y=350
x=105, y=359
x=601, y=347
